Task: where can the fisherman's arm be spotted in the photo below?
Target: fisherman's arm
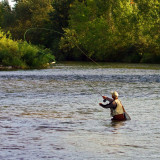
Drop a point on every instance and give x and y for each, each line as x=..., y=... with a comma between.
x=108, y=99
x=110, y=105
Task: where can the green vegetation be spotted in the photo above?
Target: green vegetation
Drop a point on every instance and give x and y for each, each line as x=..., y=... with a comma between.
x=20, y=54
x=116, y=30
x=112, y=30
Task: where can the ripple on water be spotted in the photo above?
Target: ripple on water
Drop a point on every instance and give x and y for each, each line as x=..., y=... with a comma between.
x=54, y=114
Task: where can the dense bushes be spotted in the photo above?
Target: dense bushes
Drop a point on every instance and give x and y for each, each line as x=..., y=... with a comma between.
x=20, y=54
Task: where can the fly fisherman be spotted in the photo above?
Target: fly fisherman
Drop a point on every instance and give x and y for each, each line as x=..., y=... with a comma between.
x=117, y=110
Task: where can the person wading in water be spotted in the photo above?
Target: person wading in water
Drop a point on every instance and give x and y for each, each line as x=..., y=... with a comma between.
x=117, y=110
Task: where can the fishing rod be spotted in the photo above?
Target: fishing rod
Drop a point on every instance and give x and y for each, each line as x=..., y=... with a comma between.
x=73, y=43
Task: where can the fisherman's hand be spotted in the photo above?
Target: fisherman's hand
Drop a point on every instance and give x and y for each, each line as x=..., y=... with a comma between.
x=104, y=97
x=100, y=104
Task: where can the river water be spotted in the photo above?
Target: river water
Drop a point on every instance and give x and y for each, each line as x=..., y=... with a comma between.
x=54, y=113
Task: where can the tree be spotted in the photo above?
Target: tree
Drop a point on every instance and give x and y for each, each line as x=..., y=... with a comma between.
x=6, y=16
x=31, y=14
x=92, y=23
x=59, y=17
x=114, y=30
x=149, y=15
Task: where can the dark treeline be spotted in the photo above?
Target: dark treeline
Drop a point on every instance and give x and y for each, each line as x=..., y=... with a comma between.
x=106, y=30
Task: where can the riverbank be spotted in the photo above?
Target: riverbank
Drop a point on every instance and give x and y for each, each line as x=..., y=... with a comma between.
x=10, y=68
x=85, y=64
x=110, y=65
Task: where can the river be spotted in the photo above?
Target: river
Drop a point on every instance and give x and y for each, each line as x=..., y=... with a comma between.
x=54, y=113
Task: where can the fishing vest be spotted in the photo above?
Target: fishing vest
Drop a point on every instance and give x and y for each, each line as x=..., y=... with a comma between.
x=118, y=110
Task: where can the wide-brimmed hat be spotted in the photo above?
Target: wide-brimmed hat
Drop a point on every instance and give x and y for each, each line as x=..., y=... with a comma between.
x=114, y=94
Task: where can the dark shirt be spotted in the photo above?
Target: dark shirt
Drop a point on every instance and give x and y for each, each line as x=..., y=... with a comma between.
x=111, y=105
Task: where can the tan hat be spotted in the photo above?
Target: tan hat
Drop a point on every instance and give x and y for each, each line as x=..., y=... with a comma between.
x=114, y=94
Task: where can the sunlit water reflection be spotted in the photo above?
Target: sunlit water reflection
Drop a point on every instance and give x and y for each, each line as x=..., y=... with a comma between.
x=54, y=113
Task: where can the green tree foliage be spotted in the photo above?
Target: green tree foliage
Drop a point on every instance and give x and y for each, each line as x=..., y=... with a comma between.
x=59, y=17
x=31, y=14
x=106, y=30
x=94, y=24
x=20, y=54
x=149, y=19
x=6, y=15
x=115, y=30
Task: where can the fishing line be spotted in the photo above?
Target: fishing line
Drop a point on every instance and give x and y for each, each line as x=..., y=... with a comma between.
x=74, y=44
x=64, y=36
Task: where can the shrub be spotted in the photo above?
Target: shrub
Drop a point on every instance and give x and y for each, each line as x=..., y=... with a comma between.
x=20, y=54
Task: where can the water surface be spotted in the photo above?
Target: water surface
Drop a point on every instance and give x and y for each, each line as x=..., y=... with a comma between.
x=54, y=113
